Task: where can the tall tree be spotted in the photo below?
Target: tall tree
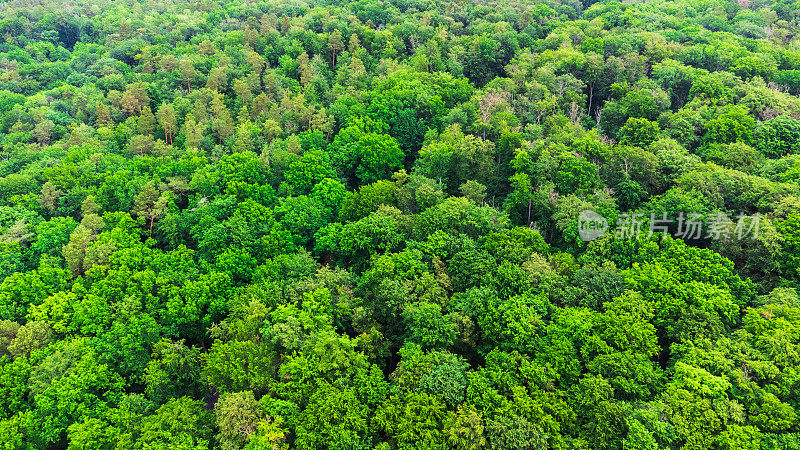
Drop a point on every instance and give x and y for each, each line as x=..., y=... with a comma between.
x=188, y=72
x=150, y=204
x=168, y=121
x=335, y=45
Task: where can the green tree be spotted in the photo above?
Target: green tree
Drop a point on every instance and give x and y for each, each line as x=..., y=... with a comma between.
x=167, y=120
x=333, y=418
x=465, y=429
x=412, y=421
x=238, y=418
x=575, y=176
x=455, y=158
x=174, y=371
x=149, y=204
x=428, y=326
x=638, y=132
x=69, y=385
x=777, y=137
x=732, y=124
x=178, y=423
x=363, y=153
x=308, y=170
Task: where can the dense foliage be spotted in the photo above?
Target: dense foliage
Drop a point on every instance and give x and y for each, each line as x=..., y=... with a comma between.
x=354, y=224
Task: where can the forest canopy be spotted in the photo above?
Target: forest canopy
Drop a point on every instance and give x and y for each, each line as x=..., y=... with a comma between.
x=399, y=224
